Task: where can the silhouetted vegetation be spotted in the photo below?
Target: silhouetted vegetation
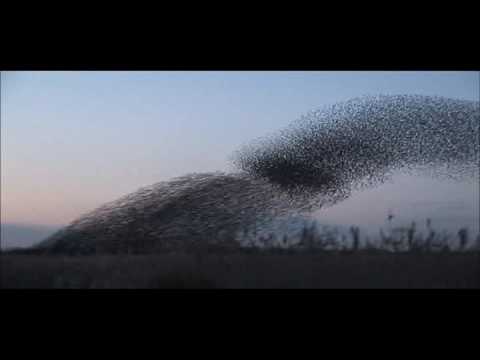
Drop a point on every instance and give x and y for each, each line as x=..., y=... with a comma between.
x=320, y=257
x=313, y=238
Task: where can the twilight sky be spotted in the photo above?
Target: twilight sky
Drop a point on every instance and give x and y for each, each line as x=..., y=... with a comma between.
x=74, y=140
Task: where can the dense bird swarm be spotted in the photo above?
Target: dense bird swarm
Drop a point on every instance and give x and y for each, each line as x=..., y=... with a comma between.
x=316, y=162
x=190, y=212
x=359, y=143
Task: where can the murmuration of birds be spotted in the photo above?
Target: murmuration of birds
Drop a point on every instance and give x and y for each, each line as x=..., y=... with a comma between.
x=316, y=162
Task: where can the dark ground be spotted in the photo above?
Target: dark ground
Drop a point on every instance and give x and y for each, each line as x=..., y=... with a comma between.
x=361, y=269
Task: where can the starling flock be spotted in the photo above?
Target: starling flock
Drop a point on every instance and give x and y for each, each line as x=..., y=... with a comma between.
x=316, y=162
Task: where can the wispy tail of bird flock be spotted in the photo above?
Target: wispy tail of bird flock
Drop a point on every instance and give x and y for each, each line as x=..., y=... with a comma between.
x=317, y=161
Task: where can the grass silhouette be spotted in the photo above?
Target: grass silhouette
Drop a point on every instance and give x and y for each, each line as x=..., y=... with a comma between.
x=402, y=258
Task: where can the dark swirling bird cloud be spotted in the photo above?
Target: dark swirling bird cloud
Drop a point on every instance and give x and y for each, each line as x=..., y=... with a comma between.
x=359, y=143
x=315, y=162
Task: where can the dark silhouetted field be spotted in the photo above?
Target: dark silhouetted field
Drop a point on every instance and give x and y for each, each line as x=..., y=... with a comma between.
x=359, y=269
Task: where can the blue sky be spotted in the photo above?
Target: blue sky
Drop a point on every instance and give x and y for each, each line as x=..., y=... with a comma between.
x=73, y=140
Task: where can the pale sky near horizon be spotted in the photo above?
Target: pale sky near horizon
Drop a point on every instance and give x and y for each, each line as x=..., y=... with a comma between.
x=74, y=140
